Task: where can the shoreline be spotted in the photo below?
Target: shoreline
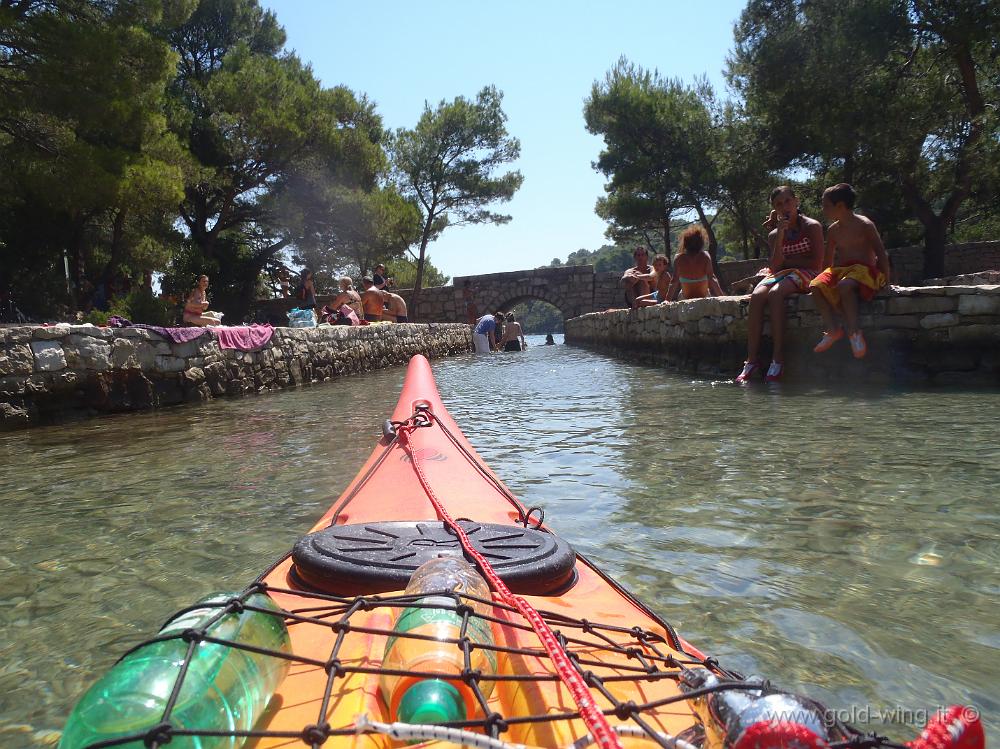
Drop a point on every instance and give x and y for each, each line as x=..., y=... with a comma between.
x=922, y=335
x=51, y=373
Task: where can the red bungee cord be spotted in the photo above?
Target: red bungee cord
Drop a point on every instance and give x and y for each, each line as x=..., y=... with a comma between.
x=598, y=725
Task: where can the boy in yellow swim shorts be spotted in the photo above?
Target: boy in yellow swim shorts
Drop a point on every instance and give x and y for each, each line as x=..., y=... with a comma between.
x=862, y=268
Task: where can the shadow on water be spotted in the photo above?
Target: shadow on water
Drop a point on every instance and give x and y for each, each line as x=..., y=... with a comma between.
x=844, y=543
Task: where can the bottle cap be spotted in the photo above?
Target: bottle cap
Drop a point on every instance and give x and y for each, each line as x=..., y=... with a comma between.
x=431, y=701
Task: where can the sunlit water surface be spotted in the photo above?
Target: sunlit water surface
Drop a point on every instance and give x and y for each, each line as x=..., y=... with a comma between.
x=845, y=544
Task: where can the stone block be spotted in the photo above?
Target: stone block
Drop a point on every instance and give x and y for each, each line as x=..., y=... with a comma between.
x=51, y=332
x=87, y=352
x=969, y=304
x=904, y=322
x=919, y=305
x=942, y=320
x=49, y=355
x=16, y=359
x=986, y=335
x=92, y=331
x=165, y=363
x=123, y=354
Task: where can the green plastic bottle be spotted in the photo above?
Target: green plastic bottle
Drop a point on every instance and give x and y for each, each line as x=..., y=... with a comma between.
x=224, y=689
x=420, y=701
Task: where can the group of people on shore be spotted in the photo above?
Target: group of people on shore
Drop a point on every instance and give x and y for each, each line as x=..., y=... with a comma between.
x=498, y=332
x=351, y=307
x=849, y=266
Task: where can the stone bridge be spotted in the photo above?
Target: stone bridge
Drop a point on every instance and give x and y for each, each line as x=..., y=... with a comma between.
x=577, y=289
x=573, y=290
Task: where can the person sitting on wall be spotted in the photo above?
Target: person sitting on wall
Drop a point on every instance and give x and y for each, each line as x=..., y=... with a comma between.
x=661, y=284
x=346, y=308
x=638, y=281
x=196, y=312
x=396, y=306
x=513, y=336
x=694, y=276
x=796, y=256
x=484, y=334
x=862, y=268
x=372, y=300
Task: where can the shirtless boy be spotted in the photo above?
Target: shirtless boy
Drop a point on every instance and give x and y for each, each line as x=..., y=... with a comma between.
x=372, y=300
x=638, y=281
x=862, y=268
x=397, y=306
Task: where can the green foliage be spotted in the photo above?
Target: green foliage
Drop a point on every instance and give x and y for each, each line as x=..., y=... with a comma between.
x=404, y=272
x=537, y=316
x=659, y=142
x=139, y=305
x=890, y=95
x=89, y=164
x=447, y=165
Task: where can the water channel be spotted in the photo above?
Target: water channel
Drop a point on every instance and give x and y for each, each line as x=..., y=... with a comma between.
x=845, y=544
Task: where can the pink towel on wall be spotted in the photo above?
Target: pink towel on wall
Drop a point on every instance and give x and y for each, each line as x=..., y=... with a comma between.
x=243, y=337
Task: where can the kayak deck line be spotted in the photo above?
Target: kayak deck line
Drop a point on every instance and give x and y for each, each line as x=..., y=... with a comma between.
x=556, y=649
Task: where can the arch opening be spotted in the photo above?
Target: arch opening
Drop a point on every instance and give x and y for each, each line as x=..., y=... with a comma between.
x=537, y=316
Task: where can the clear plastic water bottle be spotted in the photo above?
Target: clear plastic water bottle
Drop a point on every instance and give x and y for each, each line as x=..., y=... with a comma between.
x=225, y=688
x=753, y=719
x=417, y=700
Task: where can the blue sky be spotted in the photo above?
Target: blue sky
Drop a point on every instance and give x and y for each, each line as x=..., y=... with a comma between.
x=544, y=56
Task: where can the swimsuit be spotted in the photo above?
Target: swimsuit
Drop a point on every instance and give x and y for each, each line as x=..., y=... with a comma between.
x=694, y=288
x=512, y=346
x=868, y=277
x=401, y=318
x=801, y=277
x=372, y=318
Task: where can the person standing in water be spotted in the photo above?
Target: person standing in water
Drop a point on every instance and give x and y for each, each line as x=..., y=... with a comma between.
x=484, y=334
x=513, y=337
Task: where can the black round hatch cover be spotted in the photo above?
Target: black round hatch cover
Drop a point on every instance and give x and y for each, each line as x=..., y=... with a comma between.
x=367, y=558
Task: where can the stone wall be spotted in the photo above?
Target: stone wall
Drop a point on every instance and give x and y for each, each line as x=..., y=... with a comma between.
x=578, y=289
x=939, y=335
x=47, y=373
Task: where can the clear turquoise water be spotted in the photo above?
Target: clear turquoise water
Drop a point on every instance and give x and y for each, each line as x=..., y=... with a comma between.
x=845, y=544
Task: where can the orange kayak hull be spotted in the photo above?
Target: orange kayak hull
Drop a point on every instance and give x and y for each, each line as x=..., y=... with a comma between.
x=387, y=488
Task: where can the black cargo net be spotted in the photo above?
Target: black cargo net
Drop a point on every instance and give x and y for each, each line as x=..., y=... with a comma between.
x=627, y=655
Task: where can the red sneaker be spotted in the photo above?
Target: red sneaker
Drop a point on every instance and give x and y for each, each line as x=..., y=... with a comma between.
x=749, y=367
x=774, y=372
x=828, y=340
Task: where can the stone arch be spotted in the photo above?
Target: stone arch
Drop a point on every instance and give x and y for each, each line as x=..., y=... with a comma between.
x=506, y=300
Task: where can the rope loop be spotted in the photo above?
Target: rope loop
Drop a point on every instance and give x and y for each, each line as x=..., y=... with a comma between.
x=495, y=720
x=625, y=710
x=316, y=735
x=191, y=634
x=526, y=520
x=158, y=735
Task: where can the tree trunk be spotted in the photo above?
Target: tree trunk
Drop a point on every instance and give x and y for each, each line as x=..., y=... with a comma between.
x=666, y=241
x=935, y=240
x=418, y=283
x=713, y=244
x=117, y=247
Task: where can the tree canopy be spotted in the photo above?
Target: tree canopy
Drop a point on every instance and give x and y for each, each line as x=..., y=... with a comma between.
x=448, y=165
